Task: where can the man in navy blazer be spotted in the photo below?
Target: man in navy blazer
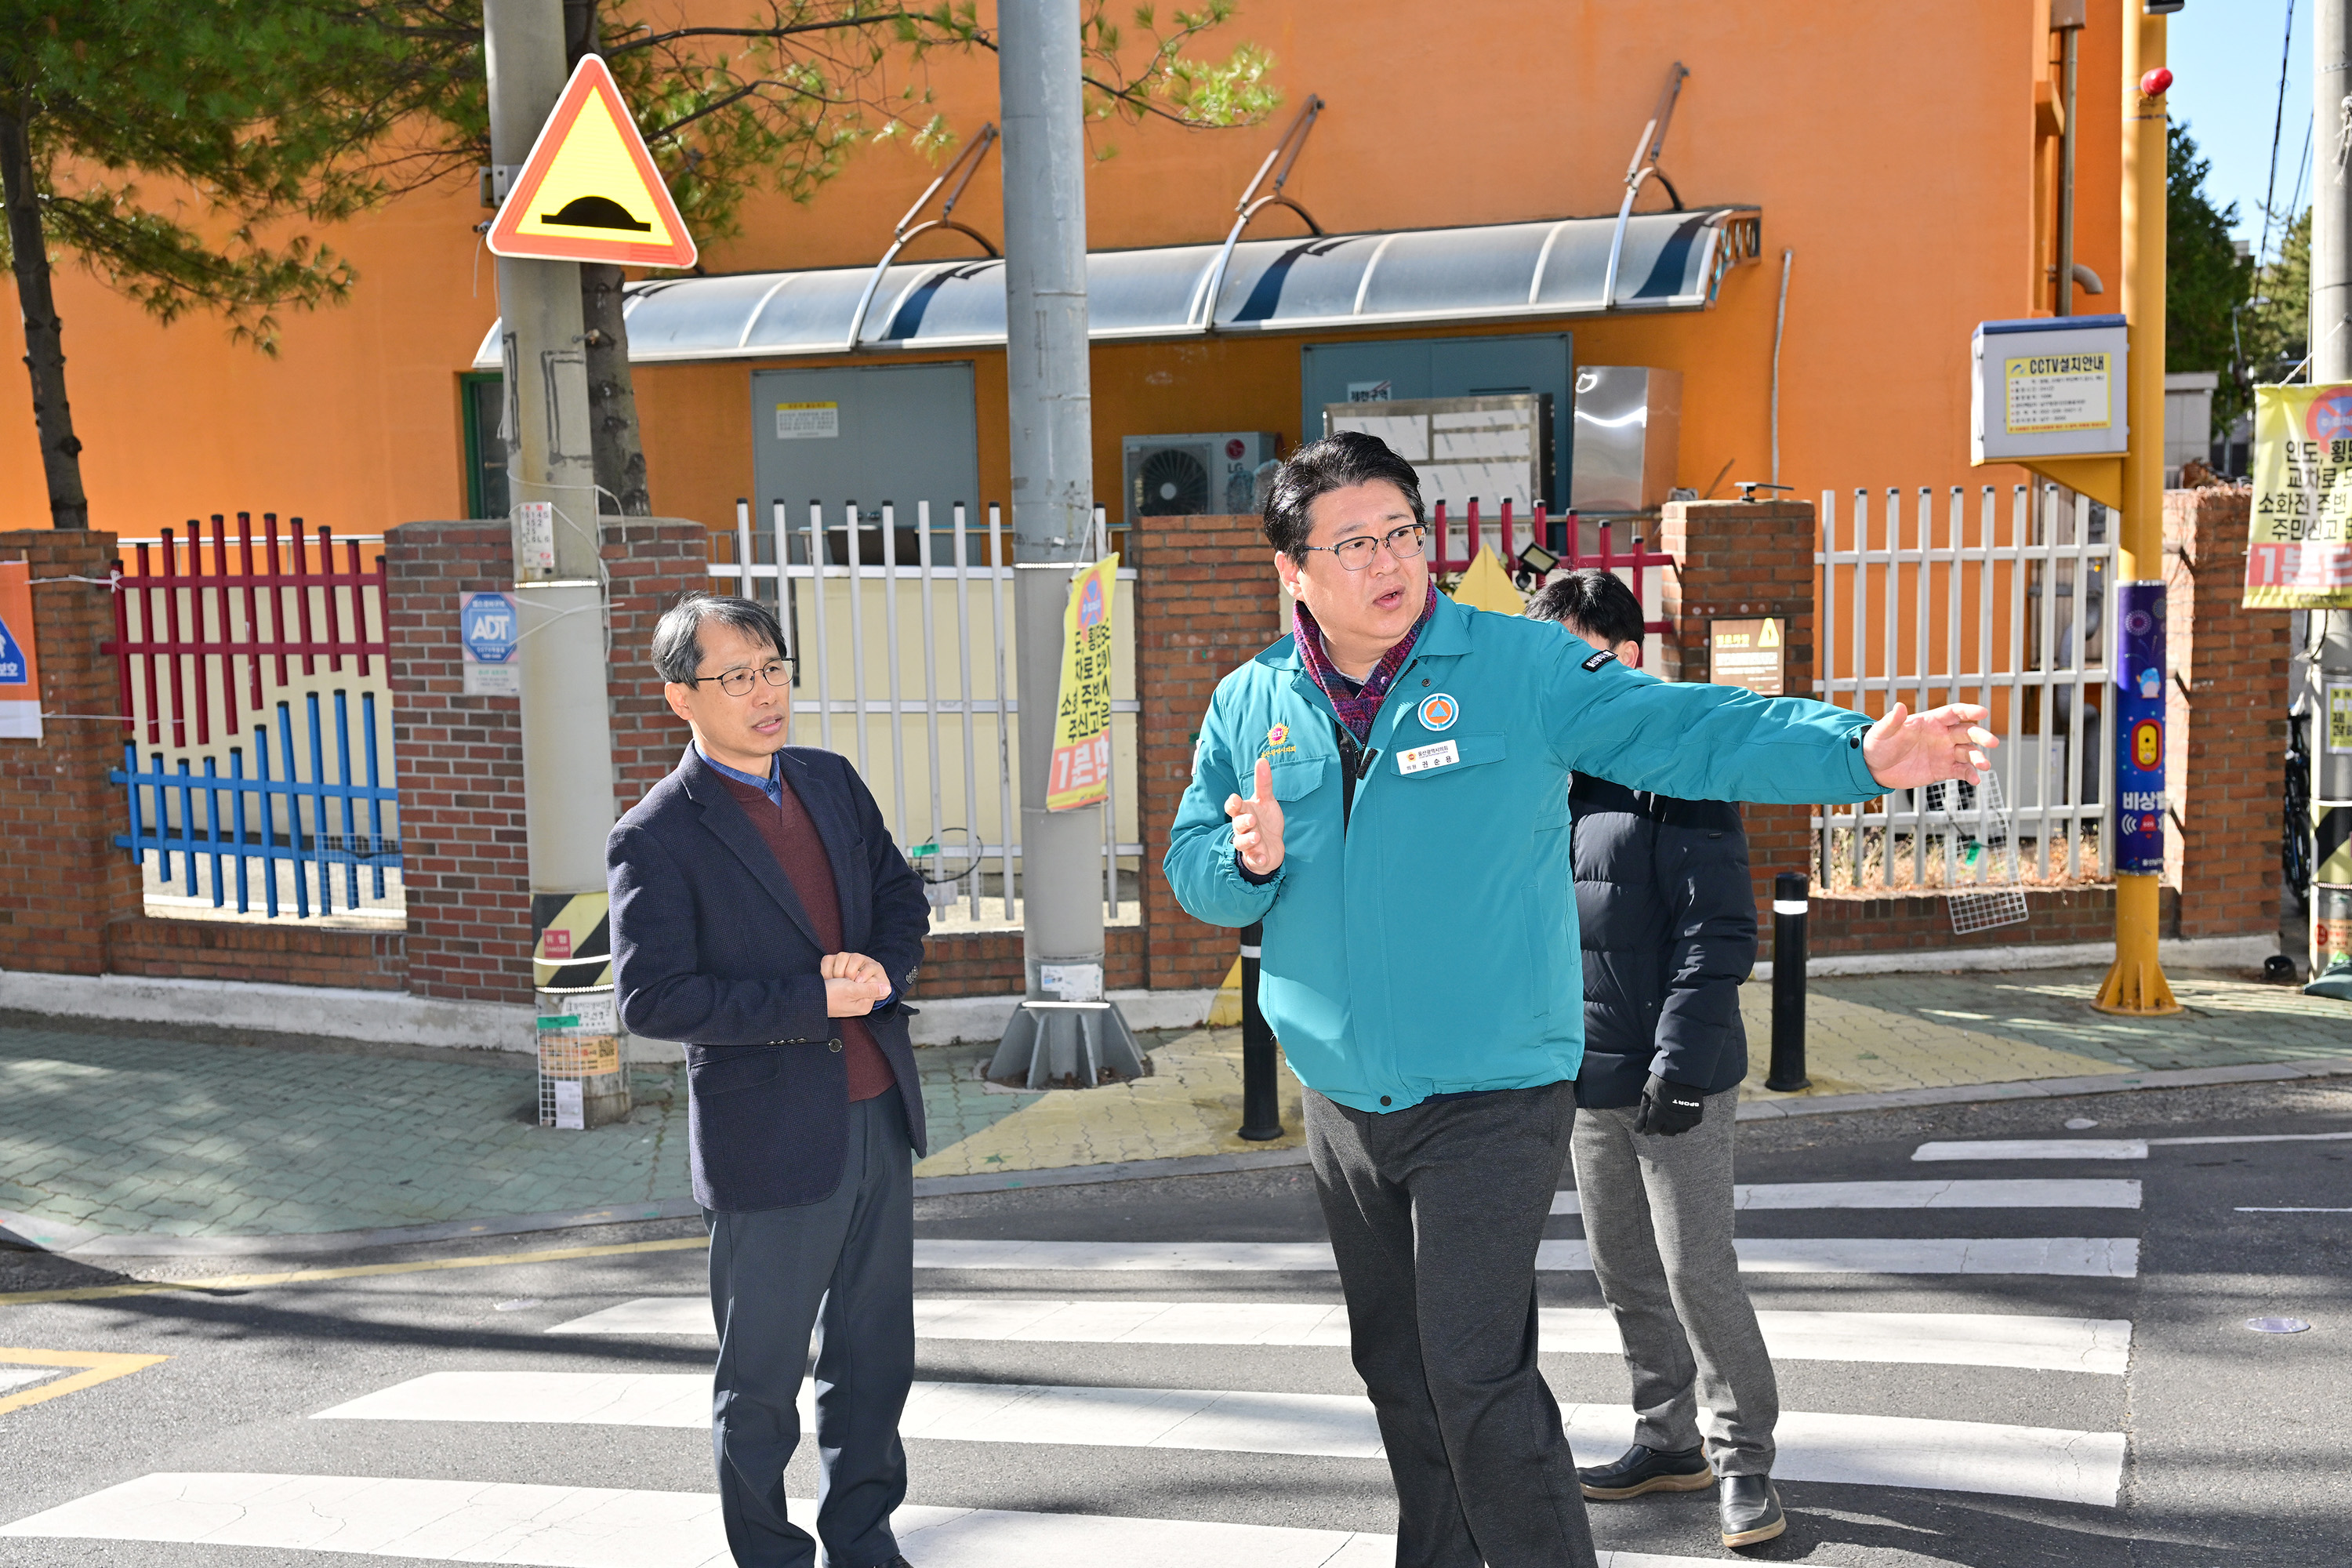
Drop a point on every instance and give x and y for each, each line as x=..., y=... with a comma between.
x=762, y=915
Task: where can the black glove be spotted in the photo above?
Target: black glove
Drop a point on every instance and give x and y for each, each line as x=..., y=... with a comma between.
x=1668, y=1107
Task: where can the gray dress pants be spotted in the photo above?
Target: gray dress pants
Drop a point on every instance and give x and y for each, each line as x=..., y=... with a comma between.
x=1657, y=1215
x=1435, y=1213
x=851, y=1258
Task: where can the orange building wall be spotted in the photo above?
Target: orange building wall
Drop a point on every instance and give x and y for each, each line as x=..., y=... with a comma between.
x=1892, y=149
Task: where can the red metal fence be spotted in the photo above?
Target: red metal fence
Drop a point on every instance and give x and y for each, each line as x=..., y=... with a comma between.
x=1561, y=536
x=172, y=621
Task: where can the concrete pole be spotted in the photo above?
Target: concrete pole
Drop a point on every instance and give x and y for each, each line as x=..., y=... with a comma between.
x=2330, y=646
x=567, y=737
x=1052, y=420
x=2135, y=984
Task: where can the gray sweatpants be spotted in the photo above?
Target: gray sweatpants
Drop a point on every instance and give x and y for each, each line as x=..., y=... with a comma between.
x=1435, y=1213
x=1657, y=1215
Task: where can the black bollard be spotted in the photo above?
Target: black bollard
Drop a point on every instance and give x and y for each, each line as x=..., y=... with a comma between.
x=1791, y=891
x=1261, y=1107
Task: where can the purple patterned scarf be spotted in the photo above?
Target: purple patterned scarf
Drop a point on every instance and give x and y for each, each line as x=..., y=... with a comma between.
x=1359, y=710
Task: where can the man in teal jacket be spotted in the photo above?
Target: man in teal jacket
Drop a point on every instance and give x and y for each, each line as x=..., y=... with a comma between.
x=1404, y=839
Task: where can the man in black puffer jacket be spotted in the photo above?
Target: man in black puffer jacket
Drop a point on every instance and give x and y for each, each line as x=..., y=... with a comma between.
x=1669, y=923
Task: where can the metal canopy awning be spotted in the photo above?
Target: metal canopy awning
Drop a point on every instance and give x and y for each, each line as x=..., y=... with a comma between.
x=1496, y=272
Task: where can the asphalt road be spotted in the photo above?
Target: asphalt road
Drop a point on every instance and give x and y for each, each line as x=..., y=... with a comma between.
x=2187, y=1440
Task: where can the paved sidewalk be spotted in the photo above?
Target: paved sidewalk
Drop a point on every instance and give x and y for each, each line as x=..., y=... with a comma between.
x=135, y=1134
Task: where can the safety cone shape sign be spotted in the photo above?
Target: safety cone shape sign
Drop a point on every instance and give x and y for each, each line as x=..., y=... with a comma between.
x=590, y=192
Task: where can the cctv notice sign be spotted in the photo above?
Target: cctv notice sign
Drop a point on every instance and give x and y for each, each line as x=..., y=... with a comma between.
x=2299, y=537
x=1080, y=772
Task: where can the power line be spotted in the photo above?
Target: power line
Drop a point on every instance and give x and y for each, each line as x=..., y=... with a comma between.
x=2278, y=123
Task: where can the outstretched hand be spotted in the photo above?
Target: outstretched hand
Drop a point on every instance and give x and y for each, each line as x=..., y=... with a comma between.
x=1905, y=750
x=1257, y=824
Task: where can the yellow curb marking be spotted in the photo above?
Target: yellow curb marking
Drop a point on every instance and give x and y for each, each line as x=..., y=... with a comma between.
x=102, y=1366
x=358, y=1271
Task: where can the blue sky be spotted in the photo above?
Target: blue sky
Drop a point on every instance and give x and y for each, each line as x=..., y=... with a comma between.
x=2225, y=66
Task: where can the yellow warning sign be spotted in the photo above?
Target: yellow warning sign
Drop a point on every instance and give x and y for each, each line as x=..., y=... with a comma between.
x=1771, y=636
x=590, y=191
x=1486, y=586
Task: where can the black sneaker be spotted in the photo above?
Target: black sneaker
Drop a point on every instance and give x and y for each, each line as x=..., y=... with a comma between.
x=1641, y=1469
x=1748, y=1509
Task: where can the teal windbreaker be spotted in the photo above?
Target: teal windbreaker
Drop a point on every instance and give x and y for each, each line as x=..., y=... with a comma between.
x=1429, y=944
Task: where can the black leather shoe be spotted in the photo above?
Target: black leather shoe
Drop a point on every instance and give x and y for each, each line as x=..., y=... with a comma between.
x=1748, y=1510
x=1641, y=1469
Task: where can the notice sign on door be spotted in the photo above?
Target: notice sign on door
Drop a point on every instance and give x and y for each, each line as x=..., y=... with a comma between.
x=1750, y=654
x=808, y=421
x=2049, y=393
x=20, y=676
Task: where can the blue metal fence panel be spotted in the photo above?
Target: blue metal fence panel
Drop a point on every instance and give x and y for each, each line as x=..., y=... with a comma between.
x=165, y=823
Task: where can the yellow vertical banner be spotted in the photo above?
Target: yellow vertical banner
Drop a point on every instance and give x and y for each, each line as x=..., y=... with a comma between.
x=1080, y=775
x=2299, y=539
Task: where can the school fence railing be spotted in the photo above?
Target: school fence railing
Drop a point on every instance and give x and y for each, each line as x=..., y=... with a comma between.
x=1992, y=598
x=902, y=636
x=219, y=643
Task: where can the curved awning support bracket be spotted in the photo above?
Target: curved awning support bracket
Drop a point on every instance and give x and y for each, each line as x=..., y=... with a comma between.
x=967, y=164
x=1643, y=167
x=1204, y=309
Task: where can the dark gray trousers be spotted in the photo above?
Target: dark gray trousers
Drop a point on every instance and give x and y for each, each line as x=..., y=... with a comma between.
x=852, y=1258
x=1435, y=1213
x=1657, y=1215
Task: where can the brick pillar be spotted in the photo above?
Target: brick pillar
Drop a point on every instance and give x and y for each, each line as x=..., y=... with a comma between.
x=61, y=879
x=1735, y=559
x=462, y=841
x=654, y=562
x=2225, y=717
x=1201, y=609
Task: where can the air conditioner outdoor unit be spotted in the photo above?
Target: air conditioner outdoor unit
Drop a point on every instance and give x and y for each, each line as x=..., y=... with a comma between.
x=1212, y=474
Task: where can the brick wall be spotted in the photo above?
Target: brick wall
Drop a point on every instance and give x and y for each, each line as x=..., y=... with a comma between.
x=988, y=963
x=253, y=950
x=60, y=880
x=1203, y=587
x=653, y=562
x=2225, y=717
x=1844, y=922
x=1739, y=560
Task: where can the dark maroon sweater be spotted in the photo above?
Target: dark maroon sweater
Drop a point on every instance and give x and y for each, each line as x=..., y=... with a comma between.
x=793, y=838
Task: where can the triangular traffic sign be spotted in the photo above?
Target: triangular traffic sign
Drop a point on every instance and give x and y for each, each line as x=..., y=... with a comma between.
x=588, y=191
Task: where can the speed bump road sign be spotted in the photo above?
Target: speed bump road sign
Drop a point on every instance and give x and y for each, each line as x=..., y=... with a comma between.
x=588, y=191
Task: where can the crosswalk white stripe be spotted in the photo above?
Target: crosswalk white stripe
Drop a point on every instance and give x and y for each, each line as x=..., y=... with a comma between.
x=2035, y=1149
x=2102, y=1148
x=2100, y=1345
x=1871, y=1450
x=598, y=1527
x=2014, y=1194
x=2097, y=1255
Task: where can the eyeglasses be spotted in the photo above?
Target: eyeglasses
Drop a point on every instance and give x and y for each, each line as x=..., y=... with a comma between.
x=1355, y=554
x=737, y=682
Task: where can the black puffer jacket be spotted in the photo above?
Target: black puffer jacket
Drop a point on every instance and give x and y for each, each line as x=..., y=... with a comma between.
x=1669, y=918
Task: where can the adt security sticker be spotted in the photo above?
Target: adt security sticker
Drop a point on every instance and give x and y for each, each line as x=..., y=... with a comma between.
x=489, y=630
x=1438, y=711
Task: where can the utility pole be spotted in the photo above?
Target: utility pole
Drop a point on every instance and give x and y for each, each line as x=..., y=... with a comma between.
x=2330, y=646
x=567, y=737
x=1074, y=1033
x=2135, y=984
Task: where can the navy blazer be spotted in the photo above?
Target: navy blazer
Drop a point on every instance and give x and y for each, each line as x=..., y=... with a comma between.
x=713, y=947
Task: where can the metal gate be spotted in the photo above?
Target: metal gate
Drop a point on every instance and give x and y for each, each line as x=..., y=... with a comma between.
x=904, y=663
x=1992, y=598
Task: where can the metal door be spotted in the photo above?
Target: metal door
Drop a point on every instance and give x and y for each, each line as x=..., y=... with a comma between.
x=872, y=435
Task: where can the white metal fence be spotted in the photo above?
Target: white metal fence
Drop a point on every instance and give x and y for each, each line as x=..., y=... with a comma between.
x=1974, y=602
x=905, y=666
